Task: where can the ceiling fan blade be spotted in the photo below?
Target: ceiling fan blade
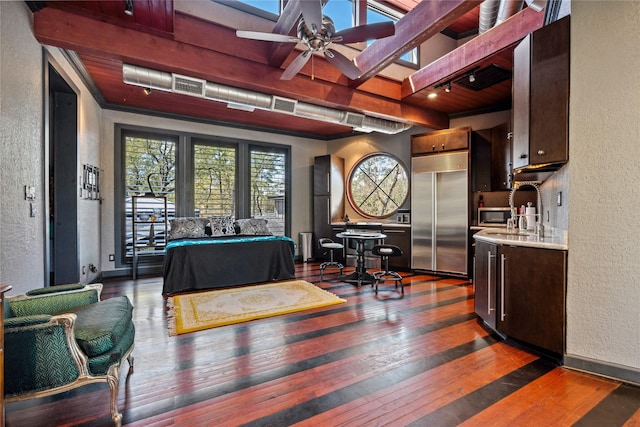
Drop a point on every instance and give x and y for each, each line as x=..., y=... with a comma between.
x=342, y=63
x=363, y=33
x=296, y=65
x=270, y=37
x=312, y=14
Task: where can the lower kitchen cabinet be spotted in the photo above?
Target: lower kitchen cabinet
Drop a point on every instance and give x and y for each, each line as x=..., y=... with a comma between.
x=484, y=282
x=527, y=287
x=400, y=237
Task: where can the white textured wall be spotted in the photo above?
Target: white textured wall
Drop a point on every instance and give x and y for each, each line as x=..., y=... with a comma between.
x=302, y=153
x=21, y=142
x=603, y=305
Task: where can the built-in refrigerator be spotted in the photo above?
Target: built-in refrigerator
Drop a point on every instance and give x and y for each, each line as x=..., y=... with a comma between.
x=440, y=213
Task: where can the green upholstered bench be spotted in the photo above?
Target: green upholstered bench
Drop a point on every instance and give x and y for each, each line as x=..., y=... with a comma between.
x=63, y=337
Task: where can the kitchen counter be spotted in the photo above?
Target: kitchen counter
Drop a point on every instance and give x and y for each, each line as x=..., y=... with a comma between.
x=501, y=236
x=373, y=224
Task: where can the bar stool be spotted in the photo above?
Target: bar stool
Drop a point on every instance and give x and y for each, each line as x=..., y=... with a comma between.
x=384, y=252
x=330, y=245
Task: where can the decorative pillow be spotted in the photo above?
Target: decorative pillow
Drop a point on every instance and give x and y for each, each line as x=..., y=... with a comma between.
x=187, y=227
x=222, y=225
x=253, y=226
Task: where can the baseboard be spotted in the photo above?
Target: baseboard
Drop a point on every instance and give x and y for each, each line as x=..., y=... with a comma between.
x=610, y=370
x=143, y=270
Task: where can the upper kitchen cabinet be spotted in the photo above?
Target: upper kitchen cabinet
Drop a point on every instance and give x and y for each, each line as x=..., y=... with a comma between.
x=491, y=167
x=541, y=98
x=328, y=176
x=440, y=141
x=501, y=162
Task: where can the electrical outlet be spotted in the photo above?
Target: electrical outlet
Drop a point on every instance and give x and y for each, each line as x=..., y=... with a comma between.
x=112, y=257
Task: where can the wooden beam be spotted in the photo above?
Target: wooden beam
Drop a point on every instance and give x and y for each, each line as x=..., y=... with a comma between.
x=474, y=51
x=86, y=35
x=427, y=19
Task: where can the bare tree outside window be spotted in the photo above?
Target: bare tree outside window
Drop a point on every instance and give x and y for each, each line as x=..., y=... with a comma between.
x=268, y=171
x=214, y=180
x=377, y=185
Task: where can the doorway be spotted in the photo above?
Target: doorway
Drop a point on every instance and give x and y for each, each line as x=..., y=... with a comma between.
x=63, y=181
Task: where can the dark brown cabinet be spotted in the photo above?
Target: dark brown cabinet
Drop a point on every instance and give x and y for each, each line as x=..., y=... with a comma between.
x=328, y=197
x=533, y=306
x=440, y=141
x=484, y=282
x=541, y=97
x=501, y=163
x=491, y=165
x=400, y=237
x=520, y=292
x=481, y=165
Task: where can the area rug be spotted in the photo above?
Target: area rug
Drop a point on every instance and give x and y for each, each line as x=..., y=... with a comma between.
x=203, y=310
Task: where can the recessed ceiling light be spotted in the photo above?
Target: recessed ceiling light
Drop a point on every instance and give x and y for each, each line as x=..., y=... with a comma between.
x=432, y=95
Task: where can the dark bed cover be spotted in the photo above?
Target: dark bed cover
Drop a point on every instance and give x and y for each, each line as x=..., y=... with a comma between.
x=215, y=262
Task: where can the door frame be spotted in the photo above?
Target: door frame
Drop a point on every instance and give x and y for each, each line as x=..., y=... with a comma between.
x=49, y=63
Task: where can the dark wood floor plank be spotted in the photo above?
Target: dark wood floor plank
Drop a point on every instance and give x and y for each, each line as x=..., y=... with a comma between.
x=615, y=409
x=560, y=397
x=374, y=360
x=403, y=402
x=339, y=373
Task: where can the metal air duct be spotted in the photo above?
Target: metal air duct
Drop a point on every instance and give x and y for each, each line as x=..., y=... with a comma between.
x=507, y=9
x=146, y=77
x=488, y=15
x=236, y=97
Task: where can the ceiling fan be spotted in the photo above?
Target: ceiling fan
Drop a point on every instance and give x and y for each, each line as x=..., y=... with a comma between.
x=317, y=32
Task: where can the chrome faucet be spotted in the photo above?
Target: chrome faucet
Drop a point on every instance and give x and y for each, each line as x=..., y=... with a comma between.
x=539, y=228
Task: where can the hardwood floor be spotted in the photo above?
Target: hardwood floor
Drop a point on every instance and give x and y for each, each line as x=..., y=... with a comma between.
x=420, y=360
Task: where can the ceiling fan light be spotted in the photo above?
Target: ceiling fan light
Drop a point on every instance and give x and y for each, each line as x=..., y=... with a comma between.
x=128, y=7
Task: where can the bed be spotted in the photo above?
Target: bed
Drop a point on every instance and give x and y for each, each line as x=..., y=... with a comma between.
x=218, y=261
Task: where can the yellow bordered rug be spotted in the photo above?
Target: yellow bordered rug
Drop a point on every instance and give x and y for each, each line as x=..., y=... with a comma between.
x=210, y=309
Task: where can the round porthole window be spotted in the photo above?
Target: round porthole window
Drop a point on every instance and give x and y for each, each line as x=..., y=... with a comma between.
x=378, y=185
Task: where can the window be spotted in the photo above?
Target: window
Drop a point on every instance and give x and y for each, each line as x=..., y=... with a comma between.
x=270, y=6
x=377, y=185
x=378, y=13
x=150, y=168
x=343, y=13
x=214, y=180
x=200, y=176
x=268, y=179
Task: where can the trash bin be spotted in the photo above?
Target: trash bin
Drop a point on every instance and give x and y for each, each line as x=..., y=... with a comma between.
x=306, y=246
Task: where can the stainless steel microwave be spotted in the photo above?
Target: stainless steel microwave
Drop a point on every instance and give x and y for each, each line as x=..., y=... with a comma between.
x=493, y=217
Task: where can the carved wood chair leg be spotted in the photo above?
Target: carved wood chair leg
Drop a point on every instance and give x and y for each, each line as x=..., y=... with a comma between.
x=113, y=381
x=130, y=359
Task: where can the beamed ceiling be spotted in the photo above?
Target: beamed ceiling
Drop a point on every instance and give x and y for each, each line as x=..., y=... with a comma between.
x=182, y=38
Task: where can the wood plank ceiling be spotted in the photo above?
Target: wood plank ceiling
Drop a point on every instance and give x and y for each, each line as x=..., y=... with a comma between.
x=157, y=36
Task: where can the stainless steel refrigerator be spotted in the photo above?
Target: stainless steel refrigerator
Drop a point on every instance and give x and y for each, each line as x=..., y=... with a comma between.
x=440, y=213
